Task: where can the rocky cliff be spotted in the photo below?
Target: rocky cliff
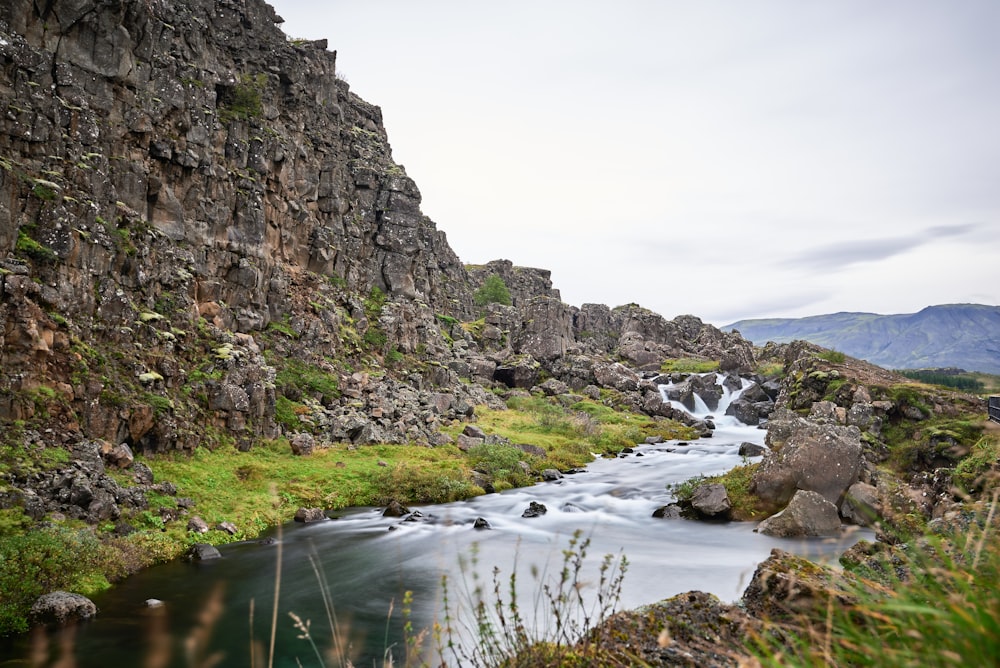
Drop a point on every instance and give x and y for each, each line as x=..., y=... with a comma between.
x=206, y=240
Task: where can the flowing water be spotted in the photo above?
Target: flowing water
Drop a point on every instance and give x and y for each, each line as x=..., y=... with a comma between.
x=368, y=562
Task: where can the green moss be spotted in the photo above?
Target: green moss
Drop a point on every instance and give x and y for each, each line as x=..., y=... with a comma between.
x=28, y=247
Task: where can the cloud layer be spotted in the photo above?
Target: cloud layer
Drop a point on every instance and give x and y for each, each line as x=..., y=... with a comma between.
x=729, y=160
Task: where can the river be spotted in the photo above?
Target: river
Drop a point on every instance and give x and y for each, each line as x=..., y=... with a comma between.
x=367, y=561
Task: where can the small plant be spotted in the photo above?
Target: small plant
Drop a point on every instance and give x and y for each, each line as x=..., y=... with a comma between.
x=561, y=633
x=245, y=100
x=832, y=356
x=492, y=291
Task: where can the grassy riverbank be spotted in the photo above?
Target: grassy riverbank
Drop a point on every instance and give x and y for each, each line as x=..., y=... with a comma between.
x=263, y=487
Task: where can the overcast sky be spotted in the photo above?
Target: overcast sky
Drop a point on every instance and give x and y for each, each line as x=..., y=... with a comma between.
x=725, y=159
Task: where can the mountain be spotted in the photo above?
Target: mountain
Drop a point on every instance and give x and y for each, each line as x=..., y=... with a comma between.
x=966, y=336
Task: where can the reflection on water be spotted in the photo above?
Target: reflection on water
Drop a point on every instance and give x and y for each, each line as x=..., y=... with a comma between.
x=369, y=562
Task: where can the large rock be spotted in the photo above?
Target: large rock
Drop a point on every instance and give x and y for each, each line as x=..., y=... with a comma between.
x=786, y=586
x=805, y=455
x=808, y=514
x=711, y=500
x=60, y=608
x=861, y=504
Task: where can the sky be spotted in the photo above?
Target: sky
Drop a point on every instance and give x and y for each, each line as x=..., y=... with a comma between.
x=725, y=159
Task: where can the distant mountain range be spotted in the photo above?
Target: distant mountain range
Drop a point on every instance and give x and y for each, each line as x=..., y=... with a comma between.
x=966, y=336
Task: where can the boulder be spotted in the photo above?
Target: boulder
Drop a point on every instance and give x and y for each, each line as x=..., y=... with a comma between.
x=119, y=456
x=395, y=509
x=808, y=514
x=472, y=431
x=197, y=525
x=550, y=475
x=302, y=444
x=668, y=512
x=481, y=523
x=60, y=608
x=751, y=449
x=535, y=509
x=711, y=500
x=786, y=586
x=806, y=455
x=227, y=527
x=203, y=552
x=861, y=504
x=308, y=515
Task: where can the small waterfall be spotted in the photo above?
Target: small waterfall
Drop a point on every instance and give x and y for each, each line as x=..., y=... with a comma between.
x=700, y=409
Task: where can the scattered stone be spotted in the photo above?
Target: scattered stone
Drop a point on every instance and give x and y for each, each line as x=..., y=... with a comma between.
x=751, y=449
x=309, y=515
x=481, y=523
x=197, y=525
x=473, y=431
x=535, y=509
x=668, y=512
x=60, y=608
x=203, y=552
x=550, y=475
x=861, y=505
x=228, y=527
x=395, y=509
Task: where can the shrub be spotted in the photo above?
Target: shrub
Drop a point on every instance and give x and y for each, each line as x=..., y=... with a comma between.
x=43, y=561
x=413, y=483
x=981, y=469
x=492, y=291
x=245, y=99
x=501, y=463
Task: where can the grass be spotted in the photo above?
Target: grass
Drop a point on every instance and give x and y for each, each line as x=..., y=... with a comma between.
x=946, y=612
x=689, y=365
x=555, y=631
x=572, y=435
x=745, y=506
x=265, y=486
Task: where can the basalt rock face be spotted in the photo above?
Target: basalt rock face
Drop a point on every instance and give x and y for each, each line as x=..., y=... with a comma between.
x=204, y=240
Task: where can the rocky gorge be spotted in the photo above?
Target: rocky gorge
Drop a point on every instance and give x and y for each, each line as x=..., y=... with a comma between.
x=207, y=246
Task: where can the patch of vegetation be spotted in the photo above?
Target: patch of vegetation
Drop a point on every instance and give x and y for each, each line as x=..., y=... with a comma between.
x=959, y=381
x=571, y=435
x=283, y=326
x=689, y=365
x=28, y=247
x=265, y=486
x=502, y=464
x=940, y=610
x=980, y=470
x=245, y=100
x=832, y=356
x=744, y=505
x=296, y=377
x=506, y=636
x=422, y=482
x=492, y=291
x=48, y=559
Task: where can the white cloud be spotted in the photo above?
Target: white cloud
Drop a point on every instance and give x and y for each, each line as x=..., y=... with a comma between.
x=688, y=156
